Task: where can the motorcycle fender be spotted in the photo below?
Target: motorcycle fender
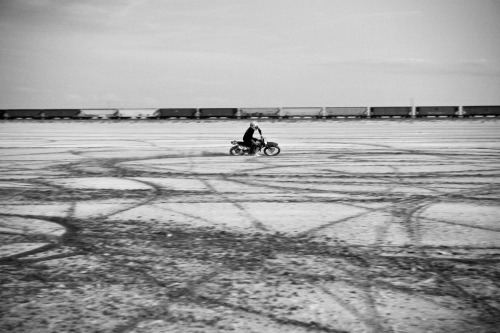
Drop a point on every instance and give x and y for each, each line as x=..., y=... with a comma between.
x=272, y=144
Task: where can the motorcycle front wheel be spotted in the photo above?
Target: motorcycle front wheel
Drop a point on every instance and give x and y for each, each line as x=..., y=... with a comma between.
x=236, y=151
x=272, y=151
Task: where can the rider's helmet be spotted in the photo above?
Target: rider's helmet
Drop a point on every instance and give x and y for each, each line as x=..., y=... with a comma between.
x=254, y=124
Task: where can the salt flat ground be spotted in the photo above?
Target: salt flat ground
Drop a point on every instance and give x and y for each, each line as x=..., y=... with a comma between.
x=151, y=226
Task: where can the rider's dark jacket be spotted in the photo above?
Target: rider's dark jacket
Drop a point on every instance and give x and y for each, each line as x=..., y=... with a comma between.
x=248, y=136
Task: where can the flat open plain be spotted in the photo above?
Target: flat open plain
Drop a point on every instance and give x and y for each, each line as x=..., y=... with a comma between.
x=151, y=226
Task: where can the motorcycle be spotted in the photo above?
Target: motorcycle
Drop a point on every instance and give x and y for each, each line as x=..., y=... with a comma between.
x=240, y=147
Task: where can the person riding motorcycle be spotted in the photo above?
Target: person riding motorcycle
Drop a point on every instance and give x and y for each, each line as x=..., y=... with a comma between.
x=249, y=139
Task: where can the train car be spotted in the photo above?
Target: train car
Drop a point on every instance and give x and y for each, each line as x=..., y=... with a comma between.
x=437, y=111
x=98, y=113
x=218, y=112
x=134, y=113
x=60, y=113
x=481, y=110
x=175, y=113
x=23, y=113
x=357, y=112
x=391, y=111
x=309, y=112
x=259, y=112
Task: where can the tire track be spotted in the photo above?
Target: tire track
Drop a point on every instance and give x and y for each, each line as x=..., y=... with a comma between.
x=311, y=325
x=371, y=320
x=255, y=222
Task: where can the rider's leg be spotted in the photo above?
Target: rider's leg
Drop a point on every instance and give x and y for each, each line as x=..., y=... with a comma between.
x=251, y=146
x=256, y=147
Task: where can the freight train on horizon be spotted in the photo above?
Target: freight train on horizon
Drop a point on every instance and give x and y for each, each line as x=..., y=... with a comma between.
x=244, y=113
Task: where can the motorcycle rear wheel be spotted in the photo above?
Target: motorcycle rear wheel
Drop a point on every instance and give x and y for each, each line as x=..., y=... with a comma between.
x=272, y=151
x=236, y=151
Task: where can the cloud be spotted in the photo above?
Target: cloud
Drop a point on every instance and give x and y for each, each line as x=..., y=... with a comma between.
x=71, y=97
x=24, y=89
x=75, y=16
x=410, y=65
x=197, y=50
x=478, y=67
x=389, y=15
x=112, y=97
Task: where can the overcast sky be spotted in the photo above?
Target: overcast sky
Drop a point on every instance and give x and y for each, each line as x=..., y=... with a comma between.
x=248, y=53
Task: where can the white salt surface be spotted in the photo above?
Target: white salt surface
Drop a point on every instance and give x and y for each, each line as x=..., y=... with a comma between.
x=233, y=188
x=27, y=226
x=327, y=172
x=379, y=192
x=177, y=183
x=11, y=184
x=299, y=217
x=59, y=209
x=411, y=314
x=217, y=215
x=101, y=183
x=467, y=214
x=90, y=209
x=370, y=229
x=18, y=248
x=201, y=165
x=120, y=152
x=443, y=234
